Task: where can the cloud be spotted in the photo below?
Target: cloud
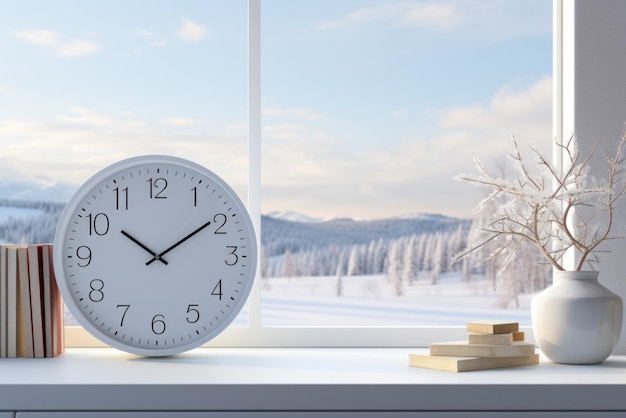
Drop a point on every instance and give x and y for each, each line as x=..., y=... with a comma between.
x=359, y=16
x=154, y=39
x=41, y=37
x=182, y=122
x=145, y=33
x=59, y=44
x=81, y=116
x=482, y=129
x=5, y=90
x=400, y=113
x=506, y=106
x=75, y=144
x=487, y=20
x=434, y=15
x=311, y=171
x=76, y=48
x=306, y=166
x=159, y=44
x=191, y=31
x=293, y=112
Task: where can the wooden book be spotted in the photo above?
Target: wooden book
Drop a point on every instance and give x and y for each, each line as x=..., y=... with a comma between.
x=518, y=336
x=490, y=339
x=492, y=327
x=20, y=345
x=34, y=273
x=58, y=310
x=464, y=349
x=465, y=364
x=46, y=263
x=11, y=258
x=25, y=322
x=3, y=301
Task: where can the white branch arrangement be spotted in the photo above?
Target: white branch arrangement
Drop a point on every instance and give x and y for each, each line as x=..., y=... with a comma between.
x=556, y=210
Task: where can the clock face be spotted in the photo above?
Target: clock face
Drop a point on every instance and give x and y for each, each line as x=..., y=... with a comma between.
x=155, y=255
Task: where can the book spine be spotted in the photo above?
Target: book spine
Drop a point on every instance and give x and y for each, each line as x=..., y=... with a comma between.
x=34, y=272
x=467, y=350
x=3, y=301
x=25, y=323
x=12, y=302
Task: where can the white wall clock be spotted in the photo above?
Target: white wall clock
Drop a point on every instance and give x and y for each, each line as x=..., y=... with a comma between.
x=155, y=255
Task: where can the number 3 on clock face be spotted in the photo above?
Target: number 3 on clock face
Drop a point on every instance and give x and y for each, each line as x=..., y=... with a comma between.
x=155, y=255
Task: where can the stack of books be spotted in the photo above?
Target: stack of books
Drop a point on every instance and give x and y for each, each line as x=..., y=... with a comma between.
x=31, y=309
x=490, y=345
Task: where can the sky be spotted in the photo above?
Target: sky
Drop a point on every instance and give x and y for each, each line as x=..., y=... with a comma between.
x=369, y=108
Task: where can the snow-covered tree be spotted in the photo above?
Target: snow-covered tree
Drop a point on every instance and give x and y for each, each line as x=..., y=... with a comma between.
x=339, y=275
x=410, y=267
x=437, y=259
x=287, y=268
x=394, y=269
x=354, y=262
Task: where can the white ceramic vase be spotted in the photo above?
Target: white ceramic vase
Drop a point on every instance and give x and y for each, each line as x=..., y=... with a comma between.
x=576, y=320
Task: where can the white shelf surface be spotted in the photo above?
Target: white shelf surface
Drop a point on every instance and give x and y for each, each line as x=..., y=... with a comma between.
x=298, y=379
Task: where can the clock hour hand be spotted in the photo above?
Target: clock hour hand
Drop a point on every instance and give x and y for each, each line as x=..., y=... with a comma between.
x=158, y=256
x=133, y=239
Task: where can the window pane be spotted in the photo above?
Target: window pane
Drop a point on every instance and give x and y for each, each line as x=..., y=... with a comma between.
x=370, y=109
x=84, y=84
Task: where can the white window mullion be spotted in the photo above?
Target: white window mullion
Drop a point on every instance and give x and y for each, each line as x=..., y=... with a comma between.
x=592, y=104
x=557, y=78
x=254, y=147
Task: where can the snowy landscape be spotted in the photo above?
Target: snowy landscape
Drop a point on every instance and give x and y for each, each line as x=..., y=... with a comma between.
x=347, y=272
x=386, y=272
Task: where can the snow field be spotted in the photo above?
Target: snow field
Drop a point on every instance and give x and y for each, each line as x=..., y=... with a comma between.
x=370, y=301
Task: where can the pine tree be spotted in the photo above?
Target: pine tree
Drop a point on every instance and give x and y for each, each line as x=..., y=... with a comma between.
x=377, y=264
x=354, y=262
x=421, y=252
x=437, y=258
x=339, y=276
x=429, y=248
x=263, y=262
x=410, y=266
x=394, y=269
x=287, y=268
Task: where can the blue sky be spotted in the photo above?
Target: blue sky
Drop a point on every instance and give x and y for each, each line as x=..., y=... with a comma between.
x=369, y=107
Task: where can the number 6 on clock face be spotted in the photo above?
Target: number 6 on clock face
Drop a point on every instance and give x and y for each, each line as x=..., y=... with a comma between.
x=155, y=255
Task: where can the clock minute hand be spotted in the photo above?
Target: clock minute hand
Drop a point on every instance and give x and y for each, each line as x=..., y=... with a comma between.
x=158, y=256
x=136, y=241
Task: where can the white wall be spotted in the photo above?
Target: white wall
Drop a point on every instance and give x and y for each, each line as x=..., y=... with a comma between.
x=594, y=100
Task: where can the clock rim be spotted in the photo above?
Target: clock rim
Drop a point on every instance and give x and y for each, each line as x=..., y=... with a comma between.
x=63, y=226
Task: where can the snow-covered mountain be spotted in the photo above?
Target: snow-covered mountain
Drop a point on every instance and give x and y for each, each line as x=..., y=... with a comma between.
x=293, y=216
x=289, y=215
x=36, y=192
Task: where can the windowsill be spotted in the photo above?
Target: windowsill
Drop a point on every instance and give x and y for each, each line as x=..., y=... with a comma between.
x=292, y=379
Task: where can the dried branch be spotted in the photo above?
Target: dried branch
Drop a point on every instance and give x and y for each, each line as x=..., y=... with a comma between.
x=551, y=209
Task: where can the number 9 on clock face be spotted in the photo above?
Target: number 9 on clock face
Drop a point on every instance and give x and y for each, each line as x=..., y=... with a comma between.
x=155, y=255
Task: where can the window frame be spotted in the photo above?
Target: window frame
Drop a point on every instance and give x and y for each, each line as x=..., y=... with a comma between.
x=255, y=335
